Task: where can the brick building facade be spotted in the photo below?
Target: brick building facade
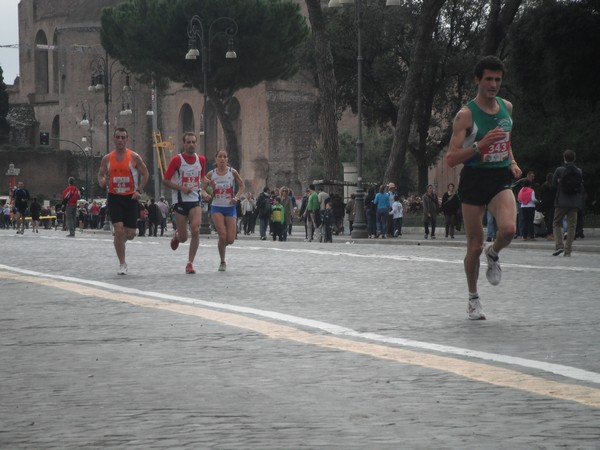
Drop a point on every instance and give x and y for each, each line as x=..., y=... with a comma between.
x=59, y=49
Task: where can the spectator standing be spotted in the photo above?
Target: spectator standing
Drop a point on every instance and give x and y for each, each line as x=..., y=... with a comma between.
x=301, y=215
x=21, y=203
x=312, y=212
x=568, y=180
x=397, y=215
x=547, y=197
x=339, y=211
x=70, y=198
x=382, y=203
x=142, y=219
x=288, y=207
x=516, y=186
x=263, y=205
x=94, y=215
x=7, y=213
x=449, y=207
x=35, y=209
x=278, y=220
x=392, y=192
x=430, y=211
x=163, y=207
x=323, y=198
x=328, y=219
x=247, y=212
x=526, y=198
x=82, y=214
x=154, y=218
x=371, y=213
x=350, y=212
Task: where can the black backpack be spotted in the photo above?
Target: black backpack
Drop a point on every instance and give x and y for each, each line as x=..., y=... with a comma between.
x=264, y=207
x=571, y=180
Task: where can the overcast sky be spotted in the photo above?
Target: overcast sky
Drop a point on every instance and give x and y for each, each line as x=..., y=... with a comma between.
x=9, y=34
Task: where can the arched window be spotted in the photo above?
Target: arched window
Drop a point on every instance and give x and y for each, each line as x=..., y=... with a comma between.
x=186, y=120
x=41, y=63
x=55, y=128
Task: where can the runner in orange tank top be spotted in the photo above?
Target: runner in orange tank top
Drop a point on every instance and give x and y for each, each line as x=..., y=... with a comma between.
x=125, y=174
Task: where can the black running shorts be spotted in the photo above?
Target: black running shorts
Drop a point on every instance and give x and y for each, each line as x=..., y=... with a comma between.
x=123, y=208
x=184, y=208
x=479, y=186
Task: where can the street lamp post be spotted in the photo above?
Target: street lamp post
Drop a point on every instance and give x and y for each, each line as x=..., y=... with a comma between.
x=102, y=71
x=153, y=112
x=359, y=227
x=88, y=121
x=226, y=27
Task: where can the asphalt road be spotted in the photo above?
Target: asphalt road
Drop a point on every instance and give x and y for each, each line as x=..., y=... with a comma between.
x=350, y=345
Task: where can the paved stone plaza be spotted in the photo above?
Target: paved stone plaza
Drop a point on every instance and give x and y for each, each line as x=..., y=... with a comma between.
x=350, y=345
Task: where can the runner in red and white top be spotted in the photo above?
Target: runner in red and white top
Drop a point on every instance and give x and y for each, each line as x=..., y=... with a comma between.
x=186, y=176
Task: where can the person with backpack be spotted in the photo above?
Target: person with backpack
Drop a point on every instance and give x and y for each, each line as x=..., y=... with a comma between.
x=21, y=203
x=263, y=206
x=568, y=180
x=527, y=200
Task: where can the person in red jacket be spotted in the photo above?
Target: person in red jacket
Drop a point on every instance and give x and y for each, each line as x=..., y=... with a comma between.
x=70, y=197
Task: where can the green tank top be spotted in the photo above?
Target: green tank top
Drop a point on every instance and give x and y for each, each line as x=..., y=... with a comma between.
x=497, y=154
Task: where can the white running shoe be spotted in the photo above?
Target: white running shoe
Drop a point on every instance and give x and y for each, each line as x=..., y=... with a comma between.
x=475, y=310
x=122, y=269
x=494, y=272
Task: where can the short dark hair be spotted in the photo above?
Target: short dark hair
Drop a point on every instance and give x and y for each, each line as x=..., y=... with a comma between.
x=71, y=181
x=311, y=187
x=188, y=133
x=489, y=62
x=569, y=156
x=120, y=129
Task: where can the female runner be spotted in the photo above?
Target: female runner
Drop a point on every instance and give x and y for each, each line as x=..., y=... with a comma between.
x=224, y=180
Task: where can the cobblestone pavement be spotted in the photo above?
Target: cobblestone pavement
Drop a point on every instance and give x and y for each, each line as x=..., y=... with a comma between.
x=351, y=345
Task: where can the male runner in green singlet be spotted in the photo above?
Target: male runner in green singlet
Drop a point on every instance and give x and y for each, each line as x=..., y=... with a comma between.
x=481, y=140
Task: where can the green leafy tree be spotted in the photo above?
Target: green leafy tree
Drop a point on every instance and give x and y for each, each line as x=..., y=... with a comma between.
x=553, y=73
x=396, y=44
x=327, y=88
x=385, y=50
x=149, y=38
